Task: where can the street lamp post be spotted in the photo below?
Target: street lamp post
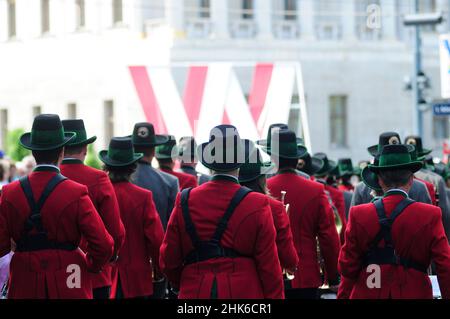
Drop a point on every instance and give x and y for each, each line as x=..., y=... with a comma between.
x=417, y=20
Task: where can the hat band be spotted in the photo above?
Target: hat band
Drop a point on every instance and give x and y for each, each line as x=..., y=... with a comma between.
x=394, y=159
x=288, y=149
x=81, y=135
x=50, y=137
x=121, y=155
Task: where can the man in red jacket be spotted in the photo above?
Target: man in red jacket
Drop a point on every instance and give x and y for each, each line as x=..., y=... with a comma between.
x=101, y=193
x=390, y=243
x=46, y=215
x=311, y=217
x=166, y=155
x=220, y=240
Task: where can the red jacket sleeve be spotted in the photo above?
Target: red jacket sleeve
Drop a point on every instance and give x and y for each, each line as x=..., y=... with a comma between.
x=153, y=231
x=170, y=259
x=328, y=237
x=285, y=243
x=109, y=211
x=99, y=242
x=266, y=254
x=5, y=236
x=440, y=254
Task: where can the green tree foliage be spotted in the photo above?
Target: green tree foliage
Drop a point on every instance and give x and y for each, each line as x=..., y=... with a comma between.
x=13, y=148
x=92, y=158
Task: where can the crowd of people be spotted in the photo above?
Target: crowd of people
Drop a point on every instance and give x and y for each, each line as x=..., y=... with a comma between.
x=297, y=226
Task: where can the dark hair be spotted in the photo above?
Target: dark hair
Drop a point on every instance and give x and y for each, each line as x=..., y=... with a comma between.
x=146, y=150
x=165, y=162
x=47, y=157
x=2, y=172
x=258, y=185
x=284, y=163
x=71, y=150
x=120, y=174
x=395, y=178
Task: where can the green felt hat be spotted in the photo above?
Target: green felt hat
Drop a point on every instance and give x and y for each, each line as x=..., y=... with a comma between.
x=309, y=164
x=46, y=134
x=416, y=141
x=386, y=138
x=120, y=153
x=254, y=167
x=345, y=167
x=77, y=126
x=168, y=150
x=370, y=178
x=266, y=144
x=328, y=166
x=395, y=157
x=144, y=135
x=285, y=145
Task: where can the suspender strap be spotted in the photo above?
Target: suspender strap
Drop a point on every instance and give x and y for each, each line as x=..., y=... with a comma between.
x=34, y=220
x=387, y=254
x=204, y=250
x=190, y=228
x=223, y=223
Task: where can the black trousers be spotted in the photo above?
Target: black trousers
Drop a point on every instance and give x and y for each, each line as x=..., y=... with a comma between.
x=302, y=293
x=102, y=292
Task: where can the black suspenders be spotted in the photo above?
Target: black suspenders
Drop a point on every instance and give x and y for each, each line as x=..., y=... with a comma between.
x=204, y=250
x=387, y=254
x=39, y=240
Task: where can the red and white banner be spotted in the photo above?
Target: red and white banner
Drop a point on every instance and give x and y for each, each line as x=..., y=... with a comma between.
x=213, y=95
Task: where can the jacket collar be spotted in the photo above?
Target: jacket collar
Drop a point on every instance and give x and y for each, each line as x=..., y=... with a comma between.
x=225, y=177
x=71, y=161
x=396, y=191
x=46, y=168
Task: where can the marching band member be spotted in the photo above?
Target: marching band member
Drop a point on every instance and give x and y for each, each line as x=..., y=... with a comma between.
x=362, y=193
x=311, y=217
x=220, y=241
x=166, y=155
x=132, y=274
x=253, y=176
x=163, y=186
x=101, y=193
x=46, y=215
x=397, y=234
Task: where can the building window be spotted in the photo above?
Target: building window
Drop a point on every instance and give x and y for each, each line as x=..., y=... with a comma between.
x=338, y=121
x=37, y=110
x=205, y=8
x=328, y=19
x=108, y=121
x=71, y=111
x=81, y=14
x=11, y=18
x=3, y=127
x=45, y=16
x=247, y=9
x=290, y=9
x=117, y=11
x=441, y=128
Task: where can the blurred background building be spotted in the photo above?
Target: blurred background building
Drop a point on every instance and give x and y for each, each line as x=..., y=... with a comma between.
x=71, y=56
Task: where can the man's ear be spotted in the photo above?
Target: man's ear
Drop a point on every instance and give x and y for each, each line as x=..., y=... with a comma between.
x=85, y=149
x=381, y=183
x=411, y=180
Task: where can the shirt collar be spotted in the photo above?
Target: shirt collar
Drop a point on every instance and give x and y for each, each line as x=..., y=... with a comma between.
x=70, y=160
x=225, y=177
x=396, y=191
x=46, y=168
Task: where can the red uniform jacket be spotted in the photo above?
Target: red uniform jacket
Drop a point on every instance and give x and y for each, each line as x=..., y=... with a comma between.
x=338, y=201
x=431, y=190
x=104, y=199
x=144, y=235
x=285, y=243
x=311, y=216
x=67, y=215
x=185, y=180
x=250, y=232
x=417, y=234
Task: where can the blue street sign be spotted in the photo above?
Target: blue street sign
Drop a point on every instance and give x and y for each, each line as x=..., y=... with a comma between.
x=442, y=108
